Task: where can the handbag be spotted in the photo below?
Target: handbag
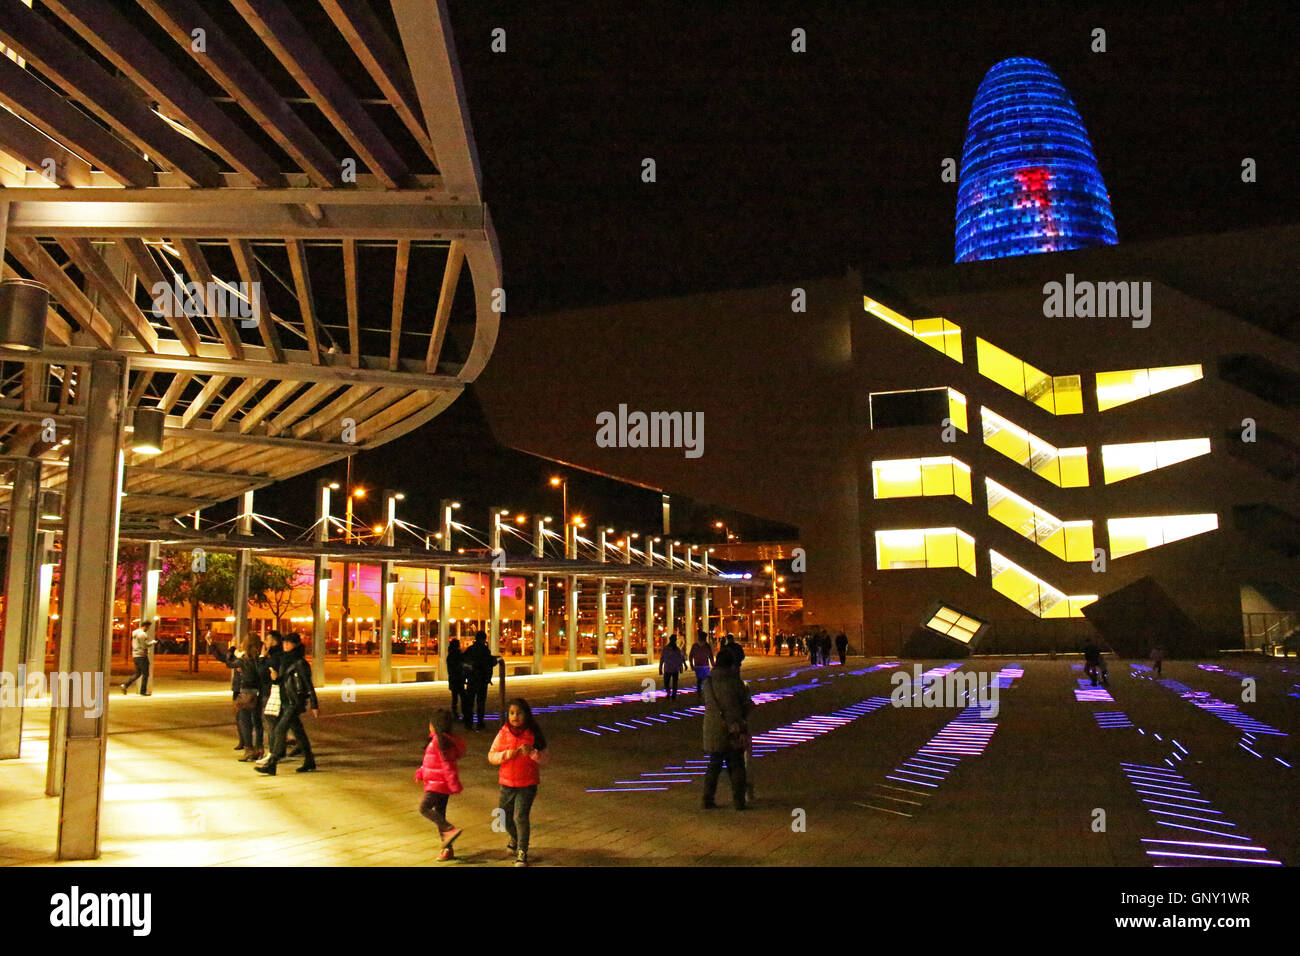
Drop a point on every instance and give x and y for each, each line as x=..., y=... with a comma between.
x=738, y=737
x=246, y=700
x=272, y=708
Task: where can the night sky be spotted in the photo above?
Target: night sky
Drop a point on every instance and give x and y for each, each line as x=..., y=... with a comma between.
x=775, y=166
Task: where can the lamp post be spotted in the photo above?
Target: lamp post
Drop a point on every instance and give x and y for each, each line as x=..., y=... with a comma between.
x=445, y=508
x=563, y=485
x=346, y=616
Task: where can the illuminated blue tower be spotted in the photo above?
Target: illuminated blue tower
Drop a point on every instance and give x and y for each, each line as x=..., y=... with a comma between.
x=1029, y=179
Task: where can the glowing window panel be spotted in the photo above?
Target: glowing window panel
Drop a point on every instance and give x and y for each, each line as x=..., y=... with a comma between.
x=1130, y=535
x=1059, y=394
x=938, y=333
x=925, y=548
x=1032, y=593
x=1068, y=540
x=1120, y=462
x=1029, y=181
x=1120, y=388
x=954, y=624
x=1063, y=467
x=957, y=410
x=921, y=477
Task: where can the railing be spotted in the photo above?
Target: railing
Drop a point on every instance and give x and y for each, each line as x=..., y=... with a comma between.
x=1272, y=633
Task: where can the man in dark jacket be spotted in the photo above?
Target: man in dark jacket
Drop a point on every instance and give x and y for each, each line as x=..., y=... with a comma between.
x=737, y=652
x=726, y=709
x=476, y=663
x=842, y=646
x=297, y=694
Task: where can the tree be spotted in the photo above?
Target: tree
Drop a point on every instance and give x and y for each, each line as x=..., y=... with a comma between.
x=279, y=584
x=130, y=577
x=207, y=580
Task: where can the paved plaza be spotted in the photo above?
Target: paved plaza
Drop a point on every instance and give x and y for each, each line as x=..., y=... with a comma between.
x=1177, y=767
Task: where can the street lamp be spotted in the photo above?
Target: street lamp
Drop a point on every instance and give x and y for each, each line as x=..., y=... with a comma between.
x=563, y=484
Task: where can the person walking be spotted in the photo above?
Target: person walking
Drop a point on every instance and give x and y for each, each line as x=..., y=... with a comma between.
x=842, y=646
x=141, y=643
x=671, y=661
x=519, y=749
x=1093, y=664
x=736, y=650
x=297, y=694
x=701, y=658
x=476, y=663
x=1157, y=659
x=441, y=778
x=246, y=685
x=455, y=676
x=726, y=730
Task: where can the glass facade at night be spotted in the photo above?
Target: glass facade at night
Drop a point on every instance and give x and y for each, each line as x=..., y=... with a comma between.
x=1029, y=179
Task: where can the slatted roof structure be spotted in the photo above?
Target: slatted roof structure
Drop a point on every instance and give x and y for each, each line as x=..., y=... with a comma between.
x=272, y=209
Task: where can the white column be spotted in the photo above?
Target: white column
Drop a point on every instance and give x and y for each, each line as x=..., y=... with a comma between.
x=494, y=581
x=20, y=596
x=387, y=587
x=94, y=489
x=571, y=623
x=243, y=566
x=539, y=598
x=321, y=589
x=627, y=624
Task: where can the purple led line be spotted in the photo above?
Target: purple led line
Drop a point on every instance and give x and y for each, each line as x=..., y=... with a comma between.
x=1218, y=846
x=1222, y=859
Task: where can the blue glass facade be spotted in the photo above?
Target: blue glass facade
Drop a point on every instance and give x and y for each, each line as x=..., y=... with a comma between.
x=1029, y=179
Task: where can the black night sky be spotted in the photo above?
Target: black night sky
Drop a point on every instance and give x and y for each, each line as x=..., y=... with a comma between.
x=775, y=166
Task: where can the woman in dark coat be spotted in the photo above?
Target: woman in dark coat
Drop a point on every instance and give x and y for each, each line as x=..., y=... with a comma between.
x=726, y=728
x=455, y=676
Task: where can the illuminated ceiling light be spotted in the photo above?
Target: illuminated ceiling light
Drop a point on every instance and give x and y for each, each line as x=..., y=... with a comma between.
x=334, y=485
x=147, y=438
x=23, y=306
x=455, y=504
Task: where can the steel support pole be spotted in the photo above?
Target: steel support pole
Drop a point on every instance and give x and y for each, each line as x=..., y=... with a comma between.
x=539, y=599
x=650, y=619
x=445, y=508
x=21, y=578
x=690, y=614
x=571, y=624
x=494, y=583
x=704, y=606
x=387, y=589
x=320, y=596
x=36, y=635
x=602, y=597
x=243, y=566
x=627, y=624
x=93, y=508
x=670, y=611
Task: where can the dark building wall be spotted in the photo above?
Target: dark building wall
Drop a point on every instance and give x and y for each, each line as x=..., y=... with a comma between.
x=774, y=386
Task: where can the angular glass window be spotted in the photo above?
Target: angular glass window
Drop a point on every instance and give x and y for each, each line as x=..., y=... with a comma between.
x=938, y=333
x=1033, y=593
x=1130, y=535
x=916, y=477
x=1059, y=394
x=925, y=548
x=1120, y=388
x=1068, y=540
x=1119, y=462
x=1063, y=467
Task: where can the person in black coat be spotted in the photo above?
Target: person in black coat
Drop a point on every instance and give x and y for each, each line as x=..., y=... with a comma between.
x=297, y=694
x=842, y=646
x=476, y=664
x=455, y=676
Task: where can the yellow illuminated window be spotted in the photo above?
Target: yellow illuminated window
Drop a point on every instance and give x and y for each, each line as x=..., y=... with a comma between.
x=925, y=548
x=1130, y=535
x=1059, y=394
x=1063, y=467
x=1032, y=593
x=1119, y=462
x=1068, y=540
x=916, y=477
x=954, y=624
x=938, y=333
x=957, y=409
x=1119, y=388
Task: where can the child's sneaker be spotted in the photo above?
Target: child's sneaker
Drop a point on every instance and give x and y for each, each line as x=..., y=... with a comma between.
x=521, y=858
x=447, y=854
x=449, y=837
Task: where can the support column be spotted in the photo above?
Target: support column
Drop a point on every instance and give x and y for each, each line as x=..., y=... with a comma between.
x=444, y=615
x=243, y=566
x=571, y=623
x=690, y=614
x=20, y=596
x=704, y=603
x=650, y=619
x=321, y=590
x=670, y=611
x=602, y=596
x=627, y=624
x=93, y=506
x=539, y=598
x=36, y=635
x=494, y=581
x=387, y=587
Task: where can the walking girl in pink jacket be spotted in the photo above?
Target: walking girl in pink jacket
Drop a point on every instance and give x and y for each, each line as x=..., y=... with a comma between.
x=440, y=777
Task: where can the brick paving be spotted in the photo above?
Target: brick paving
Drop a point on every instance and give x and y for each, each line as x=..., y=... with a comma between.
x=176, y=796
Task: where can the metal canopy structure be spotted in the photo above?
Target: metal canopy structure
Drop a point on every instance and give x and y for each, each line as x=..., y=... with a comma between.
x=258, y=218
x=271, y=212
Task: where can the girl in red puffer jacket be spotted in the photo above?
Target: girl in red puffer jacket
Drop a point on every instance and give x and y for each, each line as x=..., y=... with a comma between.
x=518, y=749
x=440, y=777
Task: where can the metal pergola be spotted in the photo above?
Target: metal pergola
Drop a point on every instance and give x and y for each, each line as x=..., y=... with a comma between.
x=200, y=186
